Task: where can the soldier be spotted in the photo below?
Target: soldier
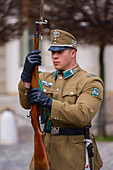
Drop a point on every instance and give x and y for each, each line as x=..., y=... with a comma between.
x=72, y=97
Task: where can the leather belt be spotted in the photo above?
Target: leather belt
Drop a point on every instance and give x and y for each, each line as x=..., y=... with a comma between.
x=64, y=131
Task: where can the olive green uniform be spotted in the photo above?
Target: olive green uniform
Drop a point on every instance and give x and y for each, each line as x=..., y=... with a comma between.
x=77, y=97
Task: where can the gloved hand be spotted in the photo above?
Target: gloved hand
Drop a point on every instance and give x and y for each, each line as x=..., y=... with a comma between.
x=32, y=59
x=39, y=97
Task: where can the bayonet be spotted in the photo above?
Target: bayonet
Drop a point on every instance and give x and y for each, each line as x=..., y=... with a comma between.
x=41, y=11
x=41, y=21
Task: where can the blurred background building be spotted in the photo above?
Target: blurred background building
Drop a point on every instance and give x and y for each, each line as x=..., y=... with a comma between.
x=90, y=22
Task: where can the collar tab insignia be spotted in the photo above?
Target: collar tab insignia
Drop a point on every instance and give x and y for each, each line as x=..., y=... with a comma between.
x=55, y=74
x=67, y=73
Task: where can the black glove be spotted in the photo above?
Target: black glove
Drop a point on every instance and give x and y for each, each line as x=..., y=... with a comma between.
x=39, y=97
x=32, y=59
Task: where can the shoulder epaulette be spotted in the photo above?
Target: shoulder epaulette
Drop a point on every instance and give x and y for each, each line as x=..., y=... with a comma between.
x=91, y=75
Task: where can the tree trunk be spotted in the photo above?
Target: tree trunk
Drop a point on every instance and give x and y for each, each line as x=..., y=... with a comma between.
x=102, y=111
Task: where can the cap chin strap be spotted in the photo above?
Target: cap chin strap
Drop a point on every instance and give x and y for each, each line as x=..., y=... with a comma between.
x=56, y=45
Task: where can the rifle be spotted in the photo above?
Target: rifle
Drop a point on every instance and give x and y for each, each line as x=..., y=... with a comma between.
x=40, y=156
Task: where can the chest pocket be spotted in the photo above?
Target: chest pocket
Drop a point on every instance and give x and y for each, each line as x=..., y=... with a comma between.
x=70, y=95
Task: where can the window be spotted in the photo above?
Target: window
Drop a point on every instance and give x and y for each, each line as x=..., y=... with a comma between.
x=26, y=45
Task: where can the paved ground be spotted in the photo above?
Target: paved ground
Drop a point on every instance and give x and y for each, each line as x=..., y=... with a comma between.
x=106, y=150
x=18, y=156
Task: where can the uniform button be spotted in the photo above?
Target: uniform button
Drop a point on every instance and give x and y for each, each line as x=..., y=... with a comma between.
x=57, y=90
x=60, y=77
x=26, y=92
x=44, y=90
x=56, y=118
x=71, y=93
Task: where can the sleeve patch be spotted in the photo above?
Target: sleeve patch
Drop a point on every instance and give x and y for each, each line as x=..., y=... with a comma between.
x=95, y=92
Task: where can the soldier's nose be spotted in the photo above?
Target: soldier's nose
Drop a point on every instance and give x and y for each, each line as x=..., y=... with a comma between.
x=55, y=55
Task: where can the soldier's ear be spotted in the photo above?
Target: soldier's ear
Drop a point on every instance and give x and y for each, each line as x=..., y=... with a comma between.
x=73, y=52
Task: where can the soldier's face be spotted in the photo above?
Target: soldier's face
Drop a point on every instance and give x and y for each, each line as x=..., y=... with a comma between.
x=64, y=59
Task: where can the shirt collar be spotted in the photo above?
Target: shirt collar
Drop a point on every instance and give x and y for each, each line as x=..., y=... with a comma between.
x=67, y=73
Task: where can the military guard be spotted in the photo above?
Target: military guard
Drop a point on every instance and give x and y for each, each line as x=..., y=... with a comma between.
x=70, y=98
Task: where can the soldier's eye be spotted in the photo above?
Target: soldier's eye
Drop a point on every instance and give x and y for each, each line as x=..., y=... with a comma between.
x=53, y=52
x=60, y=52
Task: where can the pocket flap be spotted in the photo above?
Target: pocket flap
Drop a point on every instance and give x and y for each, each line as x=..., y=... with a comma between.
x=69, y=92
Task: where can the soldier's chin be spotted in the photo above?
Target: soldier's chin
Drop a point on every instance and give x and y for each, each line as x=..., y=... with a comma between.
x=58, y=67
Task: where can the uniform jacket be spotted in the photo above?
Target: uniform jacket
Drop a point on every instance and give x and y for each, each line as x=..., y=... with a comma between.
x=77, y=96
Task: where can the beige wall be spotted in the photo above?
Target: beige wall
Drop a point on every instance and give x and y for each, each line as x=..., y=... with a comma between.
x=87, y=58
x=108, y=60
x=12, y=66
x=2, y=70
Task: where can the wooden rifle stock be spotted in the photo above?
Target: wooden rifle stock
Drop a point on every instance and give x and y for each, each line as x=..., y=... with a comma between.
x=40, y=156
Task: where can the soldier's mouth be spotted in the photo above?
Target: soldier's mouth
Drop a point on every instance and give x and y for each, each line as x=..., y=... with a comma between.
x=56, y=62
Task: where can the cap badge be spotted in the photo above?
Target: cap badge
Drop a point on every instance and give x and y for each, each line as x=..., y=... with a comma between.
x=56, y=34
x=74, y=43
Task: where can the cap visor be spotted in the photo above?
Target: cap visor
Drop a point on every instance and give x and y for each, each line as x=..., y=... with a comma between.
x=57, y=48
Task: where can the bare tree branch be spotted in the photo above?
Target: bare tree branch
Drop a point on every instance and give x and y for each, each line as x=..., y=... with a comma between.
x=89, y=20
x=11, y=22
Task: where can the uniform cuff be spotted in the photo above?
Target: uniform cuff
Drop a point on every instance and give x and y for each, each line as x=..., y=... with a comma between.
x=23, y=88
x=55, y=110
